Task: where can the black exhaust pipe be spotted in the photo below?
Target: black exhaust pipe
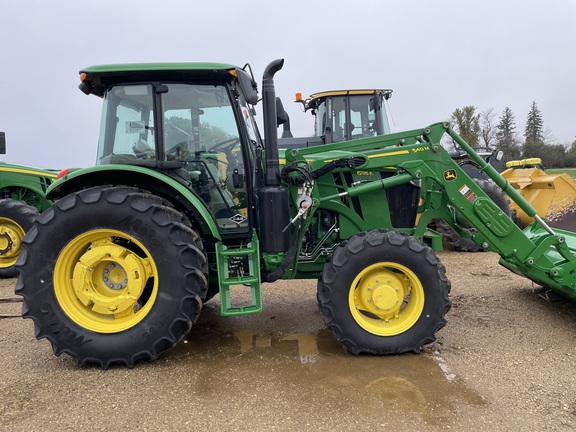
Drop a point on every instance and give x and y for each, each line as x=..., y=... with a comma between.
x=270, y=122
x=274, y=212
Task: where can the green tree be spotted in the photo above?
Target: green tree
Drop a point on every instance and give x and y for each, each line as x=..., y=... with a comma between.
x=506, y=137
x=533, y=133
x=570, y=161
x=553, y=155
x=467, y=124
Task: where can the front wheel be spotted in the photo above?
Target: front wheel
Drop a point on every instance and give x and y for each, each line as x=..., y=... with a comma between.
x=16, y=218
x=384, y=292
x=112, y=275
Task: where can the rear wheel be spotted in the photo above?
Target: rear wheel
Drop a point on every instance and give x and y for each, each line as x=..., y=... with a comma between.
x=384, y=292
x=16, y=218
x=112, y=275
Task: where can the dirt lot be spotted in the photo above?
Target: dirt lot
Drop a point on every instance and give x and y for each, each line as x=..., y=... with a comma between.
x=505, y=361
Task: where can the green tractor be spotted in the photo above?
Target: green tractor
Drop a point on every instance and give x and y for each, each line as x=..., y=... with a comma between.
x=341, y=115
x=187, y=201
x=22, y=197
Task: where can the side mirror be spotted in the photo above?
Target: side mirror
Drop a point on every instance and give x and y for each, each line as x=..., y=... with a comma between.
x=281, y=114
x=282, y=118
x=248, y=86
x=2, y=143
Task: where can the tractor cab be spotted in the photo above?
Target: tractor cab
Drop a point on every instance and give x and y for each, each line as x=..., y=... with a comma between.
x=193, y=122
x=344, y=115
x=341, y=115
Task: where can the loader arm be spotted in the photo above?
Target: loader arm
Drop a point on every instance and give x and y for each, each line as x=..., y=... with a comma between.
x=539, y=253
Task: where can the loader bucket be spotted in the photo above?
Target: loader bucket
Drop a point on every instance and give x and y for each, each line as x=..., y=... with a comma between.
x=552, y=195
x=559, y=274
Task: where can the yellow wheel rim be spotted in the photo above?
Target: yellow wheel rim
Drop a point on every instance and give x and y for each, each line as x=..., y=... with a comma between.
x=11, y=235
x=386, y=299
x=105, y=281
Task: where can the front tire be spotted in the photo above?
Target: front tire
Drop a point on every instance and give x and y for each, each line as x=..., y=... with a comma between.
x=384, y=292
x=16, y=219
x=112, y=275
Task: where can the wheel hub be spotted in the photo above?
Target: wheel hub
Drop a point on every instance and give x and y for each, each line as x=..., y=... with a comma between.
x=384, y=296
x=110, y=279
x=5, y=243
x=10, y=241
x=115, y=276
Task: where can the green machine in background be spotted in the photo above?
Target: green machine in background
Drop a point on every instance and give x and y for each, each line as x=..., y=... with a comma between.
x=22, y=197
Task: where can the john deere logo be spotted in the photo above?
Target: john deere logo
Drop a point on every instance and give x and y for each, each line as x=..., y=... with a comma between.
x=450, y=175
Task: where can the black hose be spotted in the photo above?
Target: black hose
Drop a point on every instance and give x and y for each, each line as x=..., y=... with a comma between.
x=288, y=259
x=306, y=176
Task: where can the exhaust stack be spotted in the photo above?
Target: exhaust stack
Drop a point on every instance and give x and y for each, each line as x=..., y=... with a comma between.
x=274, y=211
x=270, y=118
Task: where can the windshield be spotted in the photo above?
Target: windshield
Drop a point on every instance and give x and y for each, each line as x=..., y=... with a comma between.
x=195, y=118
x=351, y=116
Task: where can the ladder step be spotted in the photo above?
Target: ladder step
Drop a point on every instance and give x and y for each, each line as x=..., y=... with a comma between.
x=237, y=252
x=244, y=280
x=250, y=254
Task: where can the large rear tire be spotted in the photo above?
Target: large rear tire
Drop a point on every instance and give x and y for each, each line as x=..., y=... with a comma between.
x=112, y=275
x=384, y=292
x=16, y=219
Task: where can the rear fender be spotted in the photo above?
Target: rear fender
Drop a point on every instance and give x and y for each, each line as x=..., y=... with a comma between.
x=26, y=183
x=150, y=180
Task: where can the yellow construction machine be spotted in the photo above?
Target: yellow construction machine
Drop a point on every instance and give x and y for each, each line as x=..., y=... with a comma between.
x=552, y=195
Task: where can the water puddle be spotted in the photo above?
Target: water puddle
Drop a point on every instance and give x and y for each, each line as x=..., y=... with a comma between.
x=313, y=367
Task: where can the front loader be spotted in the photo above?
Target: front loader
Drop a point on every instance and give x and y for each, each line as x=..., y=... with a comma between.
x=186, y=202
x=342, y=115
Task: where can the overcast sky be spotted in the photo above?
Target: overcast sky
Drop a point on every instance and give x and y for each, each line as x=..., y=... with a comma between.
x=436, y=55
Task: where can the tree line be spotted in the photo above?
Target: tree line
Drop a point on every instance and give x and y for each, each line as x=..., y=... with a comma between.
x=481, y=129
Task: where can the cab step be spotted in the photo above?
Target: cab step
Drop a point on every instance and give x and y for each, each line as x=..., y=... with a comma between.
x=232, y=263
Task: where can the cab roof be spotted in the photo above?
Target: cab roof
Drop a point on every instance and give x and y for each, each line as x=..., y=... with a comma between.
x=101, y=76
x=349, y=92
x=315, y=99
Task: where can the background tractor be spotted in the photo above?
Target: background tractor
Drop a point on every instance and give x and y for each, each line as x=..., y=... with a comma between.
x=340, y=115
x=22, y=197
x=186, y=201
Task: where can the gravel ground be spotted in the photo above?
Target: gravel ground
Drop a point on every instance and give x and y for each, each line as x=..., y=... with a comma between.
x=505, y=361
